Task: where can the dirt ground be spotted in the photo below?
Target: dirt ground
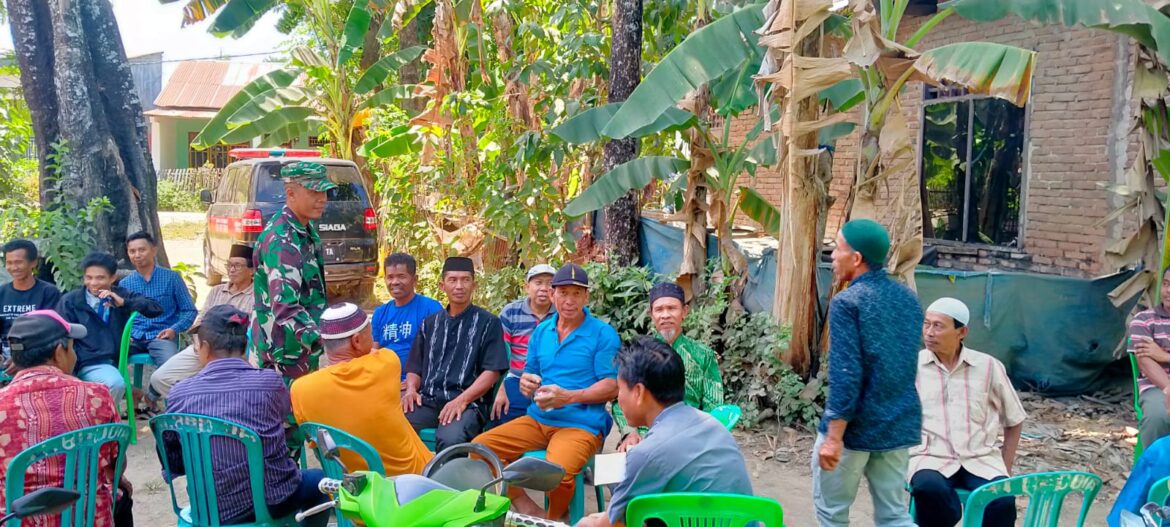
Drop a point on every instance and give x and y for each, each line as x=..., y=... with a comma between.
x=1083, y=433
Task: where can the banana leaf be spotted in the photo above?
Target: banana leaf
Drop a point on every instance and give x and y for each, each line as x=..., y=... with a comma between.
x=238, y=16
x=755, y=206
x=217, y=128
x=354, y=34
x=404, y=12
x=264, y=104
x=1134, y=18
x=197, y=10
x=290, y=133
x=982, y=67
x=627, y=176
x=707, y=54
x=309, y=57
x=586, y=126
x=402, y=140
x=378, y=72
x=735, y=91
x=269, y=124
x=844, y=95
x=390, y=95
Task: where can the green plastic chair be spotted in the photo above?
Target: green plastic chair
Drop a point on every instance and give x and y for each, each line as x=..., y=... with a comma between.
x=1137, y=407
x=428, y=438
x=727, y=414
x=1045, y=491
x=1160, y=492
x=125, y=363
x=82, y=451
x=344, y=440
x=195, y=433
x=347, y=441
x=696, y=509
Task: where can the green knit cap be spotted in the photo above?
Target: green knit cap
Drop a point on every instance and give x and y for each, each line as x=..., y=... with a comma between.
x=309, y=175
x=869, y=238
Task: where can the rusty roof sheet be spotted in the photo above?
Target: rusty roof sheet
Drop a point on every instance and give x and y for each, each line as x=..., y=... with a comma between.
x=208, y=84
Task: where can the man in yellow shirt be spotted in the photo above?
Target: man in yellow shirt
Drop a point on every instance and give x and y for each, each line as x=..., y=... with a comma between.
x=359, y=393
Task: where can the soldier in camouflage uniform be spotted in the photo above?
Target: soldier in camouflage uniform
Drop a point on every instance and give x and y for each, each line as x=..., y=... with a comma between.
x=290, y=276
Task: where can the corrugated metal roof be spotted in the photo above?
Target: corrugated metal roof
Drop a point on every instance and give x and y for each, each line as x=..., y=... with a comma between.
x=208, y=84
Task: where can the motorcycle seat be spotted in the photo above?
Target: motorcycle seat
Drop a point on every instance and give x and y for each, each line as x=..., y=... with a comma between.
x=410, y=486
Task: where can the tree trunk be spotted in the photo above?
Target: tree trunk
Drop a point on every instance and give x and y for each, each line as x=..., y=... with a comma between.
x=78, y=84
x=625, y=72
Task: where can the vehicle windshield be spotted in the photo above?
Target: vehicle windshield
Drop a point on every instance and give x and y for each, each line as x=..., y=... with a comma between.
x=270, y=188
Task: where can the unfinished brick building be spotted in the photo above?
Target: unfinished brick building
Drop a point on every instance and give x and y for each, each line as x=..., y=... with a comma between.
x=1034, y=198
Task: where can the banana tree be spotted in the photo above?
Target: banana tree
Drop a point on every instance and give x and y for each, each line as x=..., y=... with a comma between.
x=707, y=71
x=1149, y=26
x=321, y=88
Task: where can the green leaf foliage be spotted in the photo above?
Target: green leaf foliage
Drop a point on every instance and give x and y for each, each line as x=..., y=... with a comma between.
x=759, y=209
x=378, y=72
x=614, y=184
x=238, y=16
x=705, y=55
x=586, y=126
x=217, y=128
x=269, y=124
x=354, y=33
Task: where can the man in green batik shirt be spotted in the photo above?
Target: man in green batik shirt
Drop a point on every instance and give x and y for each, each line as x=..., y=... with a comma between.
x=704, y=384
x=290, y=276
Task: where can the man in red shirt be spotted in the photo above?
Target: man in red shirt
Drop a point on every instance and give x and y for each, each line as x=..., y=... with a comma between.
x=44, y=401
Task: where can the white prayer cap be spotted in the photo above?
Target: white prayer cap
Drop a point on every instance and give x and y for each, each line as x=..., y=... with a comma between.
x=342, y=321
x=951, y=307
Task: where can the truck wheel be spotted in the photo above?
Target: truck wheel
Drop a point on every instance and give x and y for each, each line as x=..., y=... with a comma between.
x=213, y=277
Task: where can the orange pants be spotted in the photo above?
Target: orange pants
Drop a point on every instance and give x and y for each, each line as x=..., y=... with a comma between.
x=570, y=448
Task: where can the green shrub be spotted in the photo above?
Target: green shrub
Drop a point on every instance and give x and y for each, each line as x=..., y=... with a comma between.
x=64, y=233
x=172, y=197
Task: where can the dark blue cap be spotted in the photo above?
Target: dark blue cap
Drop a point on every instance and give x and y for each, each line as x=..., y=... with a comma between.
x=571, y=274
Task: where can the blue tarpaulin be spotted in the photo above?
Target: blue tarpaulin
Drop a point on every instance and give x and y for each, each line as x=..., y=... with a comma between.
x=1055, y=335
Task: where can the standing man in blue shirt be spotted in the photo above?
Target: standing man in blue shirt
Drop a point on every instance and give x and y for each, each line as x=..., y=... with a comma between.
x=157, y=336
x=873, y=414
x=397, y=321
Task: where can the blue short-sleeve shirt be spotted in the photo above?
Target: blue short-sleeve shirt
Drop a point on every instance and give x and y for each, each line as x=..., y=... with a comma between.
x=585, y=357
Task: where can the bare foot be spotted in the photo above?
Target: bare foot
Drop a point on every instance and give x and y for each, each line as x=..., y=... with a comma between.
x=523, y=504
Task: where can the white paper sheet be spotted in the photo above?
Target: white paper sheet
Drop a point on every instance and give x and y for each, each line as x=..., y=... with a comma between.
x=609, y=468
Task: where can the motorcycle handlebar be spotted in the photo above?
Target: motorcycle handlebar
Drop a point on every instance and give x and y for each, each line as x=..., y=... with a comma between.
x=515, y=519
x=329, y=486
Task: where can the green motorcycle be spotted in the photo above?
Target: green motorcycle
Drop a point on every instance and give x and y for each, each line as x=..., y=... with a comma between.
x=453, y=492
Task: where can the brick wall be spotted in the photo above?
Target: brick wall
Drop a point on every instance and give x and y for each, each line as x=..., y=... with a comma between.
x=1076, y=144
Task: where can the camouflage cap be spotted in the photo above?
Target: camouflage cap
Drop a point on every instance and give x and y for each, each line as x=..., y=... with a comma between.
x=308, y=175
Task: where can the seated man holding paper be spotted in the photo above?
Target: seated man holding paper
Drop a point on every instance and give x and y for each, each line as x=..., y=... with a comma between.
x=685, y=449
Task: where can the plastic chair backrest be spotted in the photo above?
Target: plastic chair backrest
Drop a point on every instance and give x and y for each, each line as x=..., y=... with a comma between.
x=344, y=440
x=195, y=433
x=727, y=414
x=1160, y=492
x=1137, y=407
x=1046, y=492
x=82, y=451
x=694, y=509
x=124, y=370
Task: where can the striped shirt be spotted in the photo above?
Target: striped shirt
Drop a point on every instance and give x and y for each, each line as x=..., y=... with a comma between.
x=519, y=321
x=168, y=288
x=963, y=413
x=449, y=353
x=232, y=390
x=1153, y=323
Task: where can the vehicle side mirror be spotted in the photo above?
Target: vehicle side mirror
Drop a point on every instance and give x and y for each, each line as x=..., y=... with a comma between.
x=327, y=445
x=44, y=501
x=205, y=196
x=534, y=473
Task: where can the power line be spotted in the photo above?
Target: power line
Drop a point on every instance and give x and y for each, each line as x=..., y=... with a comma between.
x=217, y=57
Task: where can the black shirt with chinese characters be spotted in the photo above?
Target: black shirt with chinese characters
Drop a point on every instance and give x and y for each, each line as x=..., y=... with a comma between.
x=449, y=353
x=14, y=303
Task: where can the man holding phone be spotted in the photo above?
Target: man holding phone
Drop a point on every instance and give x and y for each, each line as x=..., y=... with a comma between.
x=1149, y=340
x=570, y=375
